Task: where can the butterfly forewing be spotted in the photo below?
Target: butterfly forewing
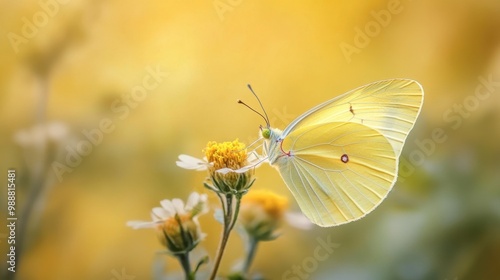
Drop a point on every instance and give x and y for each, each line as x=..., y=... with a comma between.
x=338, y=172
x=390, y=106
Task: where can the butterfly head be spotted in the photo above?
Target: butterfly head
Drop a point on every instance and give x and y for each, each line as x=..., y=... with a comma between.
x=269, y=133
x=266, y=132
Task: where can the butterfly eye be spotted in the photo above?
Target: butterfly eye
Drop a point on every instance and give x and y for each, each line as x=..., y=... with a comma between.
x=266, y=133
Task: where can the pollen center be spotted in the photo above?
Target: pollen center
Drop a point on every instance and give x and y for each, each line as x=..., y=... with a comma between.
x=226, y=154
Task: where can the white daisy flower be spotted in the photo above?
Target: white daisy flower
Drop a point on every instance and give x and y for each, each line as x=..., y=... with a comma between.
x=177, y=223
x=42, y=143
x=252, y=160
x=229, y=165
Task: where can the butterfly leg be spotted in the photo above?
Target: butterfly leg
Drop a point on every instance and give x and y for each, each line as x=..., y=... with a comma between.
x=281, y=148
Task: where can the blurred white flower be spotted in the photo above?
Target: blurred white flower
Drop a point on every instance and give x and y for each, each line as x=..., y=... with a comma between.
x=41, y=133
x=262, y=212
x=42, y=144
x=298, y=220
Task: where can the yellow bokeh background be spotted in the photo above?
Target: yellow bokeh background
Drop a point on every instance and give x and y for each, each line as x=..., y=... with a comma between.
x=81, y=60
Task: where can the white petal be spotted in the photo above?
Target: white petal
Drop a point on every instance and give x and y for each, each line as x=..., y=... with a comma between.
x=160, y=214
x=202, y=236
x=141, y=224
x=57, y=130
x=224, y=170
x=201, y=204
x=244, y=169
x=178, y=206
x=238, y=265
x=192, y=200
x=22, y=138
x=203, y=201
x=168, y=206
x=155, y=218
x=298, y=220
x=189, y=162
x=219, y=216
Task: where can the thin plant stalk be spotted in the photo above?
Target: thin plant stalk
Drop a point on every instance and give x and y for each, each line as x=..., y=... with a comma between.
x=38, y=181
x=252, y=249
x=230, y=217
x=186, y=266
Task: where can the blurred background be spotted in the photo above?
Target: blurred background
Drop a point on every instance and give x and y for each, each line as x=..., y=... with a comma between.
x=142, y=82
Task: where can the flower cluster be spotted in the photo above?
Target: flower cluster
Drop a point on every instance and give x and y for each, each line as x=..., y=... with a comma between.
x=230, y=171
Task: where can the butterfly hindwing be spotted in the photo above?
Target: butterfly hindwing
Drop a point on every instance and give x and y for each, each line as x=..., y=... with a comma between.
x=338, y=172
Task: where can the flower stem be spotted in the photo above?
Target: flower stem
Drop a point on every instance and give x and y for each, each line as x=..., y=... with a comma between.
x=229, y=222
x=186, y=266
x=252, y=249
x=236, y=212
x=220, y=252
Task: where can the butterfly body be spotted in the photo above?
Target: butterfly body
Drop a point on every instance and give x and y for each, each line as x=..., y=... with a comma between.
x=273, y=143
x=340, y=158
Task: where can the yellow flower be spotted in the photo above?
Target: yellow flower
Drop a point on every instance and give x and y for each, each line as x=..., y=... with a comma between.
x=232, y=155
x=261, y=213
x=179, y=233
x=230, y=167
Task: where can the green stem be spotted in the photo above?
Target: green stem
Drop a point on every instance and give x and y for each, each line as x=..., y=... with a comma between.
x=186, y=266
x=236, y=212
x=252, y=249
x=220, y=252
x=225, y=234
x=229, y=222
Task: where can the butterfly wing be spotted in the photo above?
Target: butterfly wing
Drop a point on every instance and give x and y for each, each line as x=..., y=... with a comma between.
x=390, y=107
x=344, y=153
x=337, y=172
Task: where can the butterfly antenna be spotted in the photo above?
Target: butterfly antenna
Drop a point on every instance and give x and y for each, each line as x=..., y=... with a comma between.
x=246, y=105
x=260, y=103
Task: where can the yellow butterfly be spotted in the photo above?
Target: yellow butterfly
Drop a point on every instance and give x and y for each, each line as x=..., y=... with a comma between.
x=340, y=159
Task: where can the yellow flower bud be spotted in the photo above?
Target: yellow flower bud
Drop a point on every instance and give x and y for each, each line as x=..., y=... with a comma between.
x=261, y=213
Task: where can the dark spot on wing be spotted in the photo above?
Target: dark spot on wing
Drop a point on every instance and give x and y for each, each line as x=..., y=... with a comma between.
x=344, y=158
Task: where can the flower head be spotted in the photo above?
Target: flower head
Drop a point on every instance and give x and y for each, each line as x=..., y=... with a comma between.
x=261, y=213
x=177, y=224
x=232, y=155
x=42, y=143
x=229, y=165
